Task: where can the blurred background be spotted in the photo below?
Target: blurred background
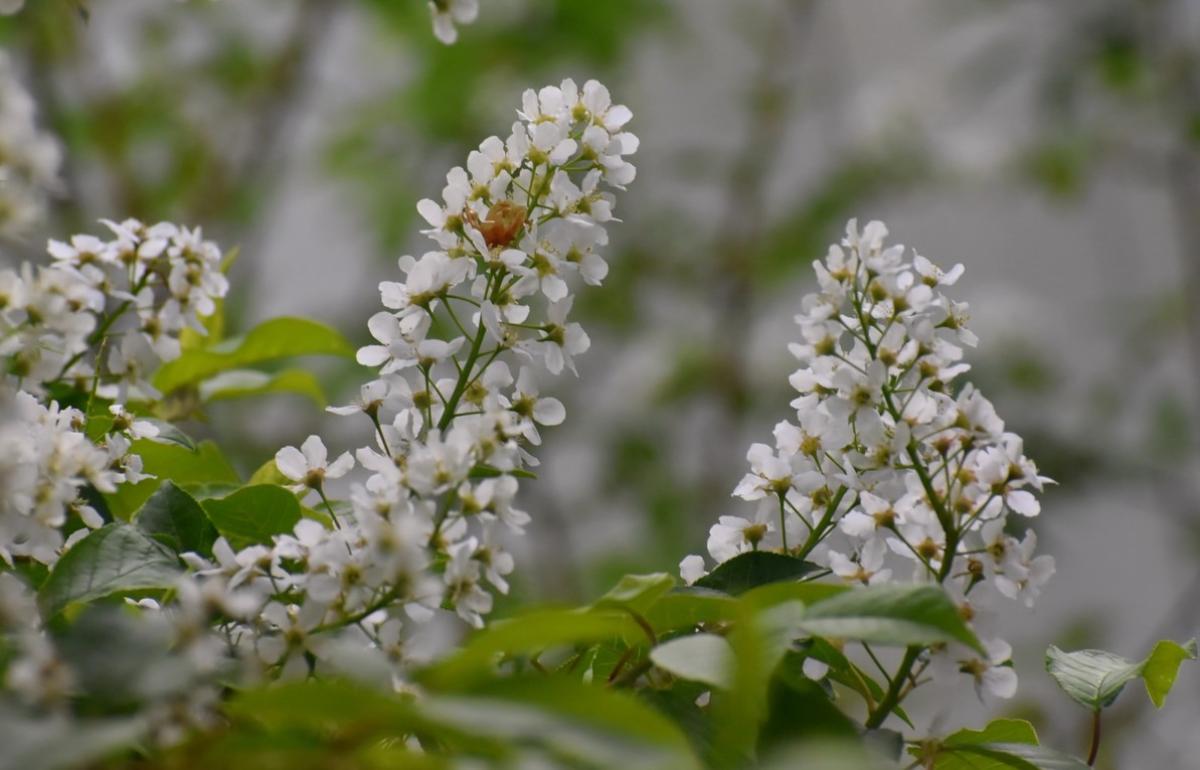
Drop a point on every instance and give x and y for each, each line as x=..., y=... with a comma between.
x=1051, y=147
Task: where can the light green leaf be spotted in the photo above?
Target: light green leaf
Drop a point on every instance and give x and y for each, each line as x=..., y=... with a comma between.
x=173, y=517
x=174, y=462
x=268, y=473
x=755, y=568
x=637, y=593
x=1160, y=668
x=270, y=340
x=253, y=514
x=1093, y=678
x=244, y=383
x=112, y=559
x=997, y=731
x=890, y=614
x=704, y=658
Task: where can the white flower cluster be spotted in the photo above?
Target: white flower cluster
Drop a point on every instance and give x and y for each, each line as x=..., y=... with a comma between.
x=46, y=461
x=447, y=13
x=29, y=158
x=54, y=318
x=451, y=423
x=890, y=461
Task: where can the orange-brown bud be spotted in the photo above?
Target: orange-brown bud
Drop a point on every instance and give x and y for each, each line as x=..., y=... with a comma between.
x=504, y=220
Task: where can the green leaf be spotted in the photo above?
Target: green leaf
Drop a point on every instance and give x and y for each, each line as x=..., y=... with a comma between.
x=243, y=383
x=112, y=559
x=253, y=514
x=170, y=461
x=1094, y=678
x=270, y=340
x=173, y=517
x=588, y=726
x=689, y=607
x=1004, y=756
x=704, y=658
x=268, y=473
x=637, y=593
x=1160, y=668
x=169, y=434
x=997, y=731
x=525, y=634
x=755, y=568
x=890, y=614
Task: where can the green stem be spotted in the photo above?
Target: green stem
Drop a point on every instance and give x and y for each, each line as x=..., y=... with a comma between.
x=892, y=697
x=1094, y=751
x=817, y=532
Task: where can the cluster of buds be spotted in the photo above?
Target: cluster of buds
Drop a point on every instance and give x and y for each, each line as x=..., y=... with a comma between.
x=455, y=407
x=891, y=460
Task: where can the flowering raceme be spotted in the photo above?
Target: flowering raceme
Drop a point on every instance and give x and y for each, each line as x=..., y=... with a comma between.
x=892, y=470
x=455, y=405
x=29, y=158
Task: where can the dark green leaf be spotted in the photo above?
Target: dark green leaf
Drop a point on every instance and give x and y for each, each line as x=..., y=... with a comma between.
x=113, y=559
x=755, y=568
x=173, y=517
x=1005, y=756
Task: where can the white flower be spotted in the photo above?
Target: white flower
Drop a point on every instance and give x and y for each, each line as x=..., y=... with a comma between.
x=307, y=465
x=446, y=13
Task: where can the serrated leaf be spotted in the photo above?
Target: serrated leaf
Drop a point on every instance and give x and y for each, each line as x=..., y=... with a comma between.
x=173, y=517
x=252, y=515
x=113, y=559
x=245, y=383
x=1162, y=666
x=755, y=568
x=271, y=340
x=704, y=658
x=890, y=614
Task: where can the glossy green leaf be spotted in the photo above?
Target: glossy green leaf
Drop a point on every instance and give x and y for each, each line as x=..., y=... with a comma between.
x=253, y=514
x=271, y=340
x=113, y=559
x=706, y=658
x=890, y=614
x=244, y=383
x=173, y=517
x=755, y=568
